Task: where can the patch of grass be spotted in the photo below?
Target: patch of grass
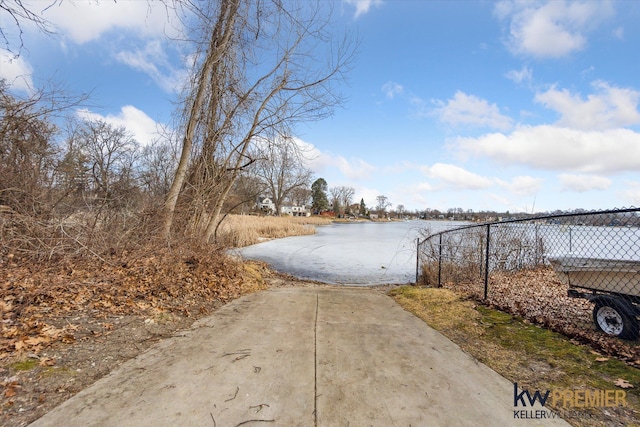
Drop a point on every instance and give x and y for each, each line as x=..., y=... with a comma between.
x=534, y=357
x=52, y=371
x=24, y=365
x=163, y=317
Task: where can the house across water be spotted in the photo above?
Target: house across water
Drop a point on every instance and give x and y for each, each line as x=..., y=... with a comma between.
x=266, y=205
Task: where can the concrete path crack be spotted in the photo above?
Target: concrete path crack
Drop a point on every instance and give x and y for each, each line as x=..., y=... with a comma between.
x=315, y=368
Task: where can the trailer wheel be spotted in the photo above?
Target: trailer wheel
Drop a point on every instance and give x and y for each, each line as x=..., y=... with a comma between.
x=612, y=317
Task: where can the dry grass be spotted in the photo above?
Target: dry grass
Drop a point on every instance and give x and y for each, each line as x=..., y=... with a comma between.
x=244, y=230
x=539, y=297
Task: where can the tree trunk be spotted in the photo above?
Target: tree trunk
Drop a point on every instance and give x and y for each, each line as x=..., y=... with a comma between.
x=217, y=45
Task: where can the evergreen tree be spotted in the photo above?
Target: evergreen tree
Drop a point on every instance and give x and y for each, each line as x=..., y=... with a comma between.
x=363, y=208
x=319, y=195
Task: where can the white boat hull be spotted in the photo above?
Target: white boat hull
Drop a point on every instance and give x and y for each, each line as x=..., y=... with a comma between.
x=604, y=275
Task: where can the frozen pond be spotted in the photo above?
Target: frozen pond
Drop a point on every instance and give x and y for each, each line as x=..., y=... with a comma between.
x=358, y=253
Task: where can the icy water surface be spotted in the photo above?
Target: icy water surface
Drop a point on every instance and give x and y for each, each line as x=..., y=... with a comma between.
x=359, y=253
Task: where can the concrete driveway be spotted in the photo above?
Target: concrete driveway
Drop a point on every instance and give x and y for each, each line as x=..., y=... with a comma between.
x=325, y=356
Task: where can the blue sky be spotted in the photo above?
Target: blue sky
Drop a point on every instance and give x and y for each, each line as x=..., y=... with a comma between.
x=483, y=105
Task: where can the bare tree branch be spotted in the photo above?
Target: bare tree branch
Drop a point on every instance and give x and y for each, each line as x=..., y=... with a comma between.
x=21, y=13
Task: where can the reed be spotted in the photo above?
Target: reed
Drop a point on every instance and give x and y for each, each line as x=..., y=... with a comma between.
x=244, y=230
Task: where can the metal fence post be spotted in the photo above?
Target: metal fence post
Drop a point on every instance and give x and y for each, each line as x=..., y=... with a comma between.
x=417, y=259
x=440, y=261
x=486, y=265
x=536, y=248
x=481, y=260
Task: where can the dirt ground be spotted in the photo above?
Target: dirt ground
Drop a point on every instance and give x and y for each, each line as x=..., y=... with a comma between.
x=65, y=325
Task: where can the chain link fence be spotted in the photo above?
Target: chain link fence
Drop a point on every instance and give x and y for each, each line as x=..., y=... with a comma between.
x=567, y=271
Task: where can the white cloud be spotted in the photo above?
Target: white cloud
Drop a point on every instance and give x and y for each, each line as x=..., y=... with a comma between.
x=152, y=60
x=400, y=167
x=501, y=201
x=424, y=186
x=363, y=6
x=453, y=176
x=630, y=193
x=85, y=21
x=581, y=183
x=144, y=23
x=16, y=71
x=356, y=169
x=609, y=107
x=619, y=33
x=319, y=162
x=466, y=109
x=144, y=128
x=524, y=75
x=557, y=148
x=522, y=185
x=420, y=107
x=391, y=89
x=551, y=29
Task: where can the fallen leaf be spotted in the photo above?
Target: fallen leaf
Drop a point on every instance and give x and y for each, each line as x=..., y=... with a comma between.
x=33, y=341
x=623, y=383
x=68, y=338
x=602, y=359
x=10, y=390
x=47, y=361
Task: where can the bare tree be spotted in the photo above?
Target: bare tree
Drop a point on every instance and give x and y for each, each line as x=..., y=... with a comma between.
x=158, y=164
x=382, y=203
x=344, y=196
x=281, y=167
x=27, y=152
x=111, y=154
x=72, y=171
x=27, y=155
x=31, y=184
x=208, y=83
x=246, y=190
x=336, y=203
x=260, y=72
x=301, y=196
